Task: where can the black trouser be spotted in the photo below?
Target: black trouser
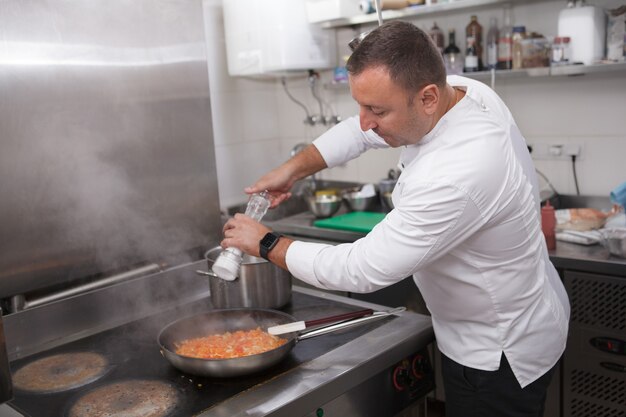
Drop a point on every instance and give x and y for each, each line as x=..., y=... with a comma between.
x=474, y=393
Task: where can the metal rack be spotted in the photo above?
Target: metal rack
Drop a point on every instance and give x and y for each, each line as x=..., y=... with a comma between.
x=557, y=71
x=417, y=11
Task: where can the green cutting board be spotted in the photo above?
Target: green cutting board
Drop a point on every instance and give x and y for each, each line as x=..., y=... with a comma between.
x=356, y=221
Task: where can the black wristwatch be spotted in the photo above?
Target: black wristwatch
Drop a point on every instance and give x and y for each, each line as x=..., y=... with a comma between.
x=267, y=244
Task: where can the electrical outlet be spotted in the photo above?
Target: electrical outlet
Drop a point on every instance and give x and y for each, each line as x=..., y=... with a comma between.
x=572, y=149
x=555, y=151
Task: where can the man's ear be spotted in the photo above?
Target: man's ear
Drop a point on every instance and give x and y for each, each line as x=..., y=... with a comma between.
x=429, y=97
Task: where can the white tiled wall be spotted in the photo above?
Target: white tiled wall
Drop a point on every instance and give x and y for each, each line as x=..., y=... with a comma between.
x=255, y=123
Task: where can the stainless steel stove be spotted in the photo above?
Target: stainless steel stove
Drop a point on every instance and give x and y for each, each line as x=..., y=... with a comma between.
x=107, y=361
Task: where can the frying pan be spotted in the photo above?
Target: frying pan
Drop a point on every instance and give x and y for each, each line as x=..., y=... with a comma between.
x=230, y=320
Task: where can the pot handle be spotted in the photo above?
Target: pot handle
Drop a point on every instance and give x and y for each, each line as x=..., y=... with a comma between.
x=206, y=273
x=346, y=324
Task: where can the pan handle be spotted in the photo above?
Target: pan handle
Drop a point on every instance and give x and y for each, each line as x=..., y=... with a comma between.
x=206, y=273
x=346, y=324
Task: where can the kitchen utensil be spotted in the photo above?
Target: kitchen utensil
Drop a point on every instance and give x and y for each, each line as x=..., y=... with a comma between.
x=229, y=320
x=385, y=188
x=297, y=326
x=357, y=221
x=362, y=199
x=260, y=284
x=615, y=241
x=323, y=205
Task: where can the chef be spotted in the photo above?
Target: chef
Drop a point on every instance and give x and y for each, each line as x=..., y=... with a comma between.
x=465, y=226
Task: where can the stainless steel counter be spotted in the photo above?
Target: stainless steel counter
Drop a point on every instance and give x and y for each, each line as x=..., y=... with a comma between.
x=594, y=258
x=301, y=226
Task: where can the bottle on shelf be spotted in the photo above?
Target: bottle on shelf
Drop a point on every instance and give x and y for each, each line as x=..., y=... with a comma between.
x=436, y=34
x=475, y=30
x=492, y=44
x=548, y=225
x=519, y=34
x=472, y=63
x=505, y=42
x=452, y=56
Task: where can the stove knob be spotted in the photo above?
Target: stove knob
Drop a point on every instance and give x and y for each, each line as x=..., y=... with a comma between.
x=401, y=376
x=419, y=366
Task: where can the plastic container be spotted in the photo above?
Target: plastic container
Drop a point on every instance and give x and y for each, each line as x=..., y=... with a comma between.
x=586, y=26
x=615, y=241
x=616, y=34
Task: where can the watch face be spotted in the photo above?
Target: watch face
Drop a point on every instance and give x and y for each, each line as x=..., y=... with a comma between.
x=267, y=244
x=268, y=239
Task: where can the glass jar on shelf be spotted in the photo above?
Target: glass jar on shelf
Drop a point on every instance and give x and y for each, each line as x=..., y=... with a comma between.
x=535, y=52
x=519, y=34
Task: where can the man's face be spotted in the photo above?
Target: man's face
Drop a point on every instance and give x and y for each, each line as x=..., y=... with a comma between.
x=384, y=108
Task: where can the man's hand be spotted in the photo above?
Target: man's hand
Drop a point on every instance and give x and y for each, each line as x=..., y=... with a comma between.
x=278, y=182
x=244, y=233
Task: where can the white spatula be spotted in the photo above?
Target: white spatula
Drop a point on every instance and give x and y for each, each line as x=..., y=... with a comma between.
x=297, y=326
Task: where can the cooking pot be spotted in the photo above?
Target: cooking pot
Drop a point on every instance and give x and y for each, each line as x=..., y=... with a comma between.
x=260, y=284
x=231, y=320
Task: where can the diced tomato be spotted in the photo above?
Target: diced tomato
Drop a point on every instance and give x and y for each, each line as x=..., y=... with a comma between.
x=230, y=345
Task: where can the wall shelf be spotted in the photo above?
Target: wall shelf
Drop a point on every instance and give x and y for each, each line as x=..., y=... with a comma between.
x=556, y=71
x=417, y=11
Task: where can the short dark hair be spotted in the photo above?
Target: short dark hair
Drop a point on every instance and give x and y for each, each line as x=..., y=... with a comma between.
x=408, y=53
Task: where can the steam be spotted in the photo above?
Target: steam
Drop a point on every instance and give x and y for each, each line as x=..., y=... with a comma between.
x=105, y=180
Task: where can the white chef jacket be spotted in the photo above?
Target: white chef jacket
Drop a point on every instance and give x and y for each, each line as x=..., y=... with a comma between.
x=466, y=226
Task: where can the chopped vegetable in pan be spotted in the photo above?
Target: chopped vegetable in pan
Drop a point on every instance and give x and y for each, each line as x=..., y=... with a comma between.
x=229, y=345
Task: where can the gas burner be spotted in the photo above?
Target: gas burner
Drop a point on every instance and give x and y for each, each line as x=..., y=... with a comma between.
x=60, y=372
x=133, y=398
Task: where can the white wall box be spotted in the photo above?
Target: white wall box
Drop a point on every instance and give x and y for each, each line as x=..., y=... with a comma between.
x=586, y=26
x=274, y=37
x=321, y=10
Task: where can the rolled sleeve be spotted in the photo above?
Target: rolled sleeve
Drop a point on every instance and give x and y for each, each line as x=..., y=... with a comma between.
x=346, y=141
x=300, y=259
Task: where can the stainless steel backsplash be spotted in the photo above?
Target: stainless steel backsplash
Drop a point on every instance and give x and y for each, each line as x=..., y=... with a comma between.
x=106, y=141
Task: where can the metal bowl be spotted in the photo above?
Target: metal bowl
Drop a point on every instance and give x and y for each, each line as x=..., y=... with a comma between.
x=356, y=202
x=385, y=188
x=615, y=241
x=324, y=205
